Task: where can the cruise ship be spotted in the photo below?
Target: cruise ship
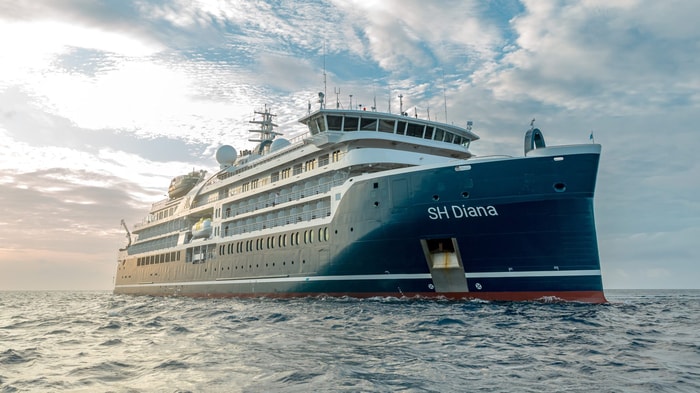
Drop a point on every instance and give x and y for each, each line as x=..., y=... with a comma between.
x=368, y=203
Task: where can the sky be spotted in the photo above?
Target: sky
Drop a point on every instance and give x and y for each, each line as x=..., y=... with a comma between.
x=103, y=102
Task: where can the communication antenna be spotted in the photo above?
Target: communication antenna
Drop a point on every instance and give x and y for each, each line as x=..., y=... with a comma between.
x=321, y=100
x=350, y=102
x=337, y=95
x=401, y=104
x=389, y=110
x=444, y=93
x=374, y=107
x=325, y=87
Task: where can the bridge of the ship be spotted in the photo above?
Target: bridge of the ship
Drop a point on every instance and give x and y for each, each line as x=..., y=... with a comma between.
x=343, y=120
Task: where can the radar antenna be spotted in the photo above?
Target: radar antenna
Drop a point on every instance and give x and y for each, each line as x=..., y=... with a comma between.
x=321, y=99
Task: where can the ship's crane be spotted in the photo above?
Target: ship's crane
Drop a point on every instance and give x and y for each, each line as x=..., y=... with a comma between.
x=128, y=236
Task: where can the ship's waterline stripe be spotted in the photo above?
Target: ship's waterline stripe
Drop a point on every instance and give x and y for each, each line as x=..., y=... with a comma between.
x=357, y=277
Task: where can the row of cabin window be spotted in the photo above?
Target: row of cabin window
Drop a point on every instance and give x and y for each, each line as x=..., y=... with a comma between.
x=292, y=171
x=160, y=258
x=165, y=213
x=345, y=123
x=270, y=242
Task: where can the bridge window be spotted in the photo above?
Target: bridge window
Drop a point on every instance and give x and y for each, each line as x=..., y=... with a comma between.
x=313, y=127
x=457, y=140
x=368, y=124
x=351, y=123
x=439, y=134
x=448, y=137
x=401, y=128
x=386, y=126
x=335, y=123
x=429, y=132
x=415, y=130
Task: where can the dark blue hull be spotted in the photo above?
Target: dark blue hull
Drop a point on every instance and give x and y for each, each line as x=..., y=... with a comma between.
x=510, y=229
x=520, y=226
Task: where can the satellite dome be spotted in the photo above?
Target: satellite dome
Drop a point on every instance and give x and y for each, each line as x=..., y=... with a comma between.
x=226, y=155
x=279, y=144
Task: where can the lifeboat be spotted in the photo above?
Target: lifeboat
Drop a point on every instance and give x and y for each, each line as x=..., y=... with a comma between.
x=182, y=184
x=202, y=229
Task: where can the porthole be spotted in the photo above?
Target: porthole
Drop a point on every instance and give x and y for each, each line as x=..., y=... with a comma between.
x=559, y=187
x=465, y=194
x=376, y=203
x=436, y=197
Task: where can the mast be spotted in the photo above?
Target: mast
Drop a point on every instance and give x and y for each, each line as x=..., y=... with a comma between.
x=325, y=85
x=267, y=129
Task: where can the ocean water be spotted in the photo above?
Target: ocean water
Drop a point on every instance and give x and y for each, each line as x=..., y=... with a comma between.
x=642, y=341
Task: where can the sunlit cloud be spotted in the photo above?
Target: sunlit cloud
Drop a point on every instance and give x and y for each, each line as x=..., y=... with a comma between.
x=101, y=106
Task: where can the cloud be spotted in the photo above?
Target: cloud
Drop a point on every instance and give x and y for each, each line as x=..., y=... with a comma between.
x=649, y=259
x=101, y=103
x=612, y=57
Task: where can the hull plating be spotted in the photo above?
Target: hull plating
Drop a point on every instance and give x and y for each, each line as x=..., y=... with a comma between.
x=514, y=229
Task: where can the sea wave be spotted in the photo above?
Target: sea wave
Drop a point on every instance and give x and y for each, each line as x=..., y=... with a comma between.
x=96, y=341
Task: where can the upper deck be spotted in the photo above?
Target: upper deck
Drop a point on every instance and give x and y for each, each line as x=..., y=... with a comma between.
x=344, y=120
